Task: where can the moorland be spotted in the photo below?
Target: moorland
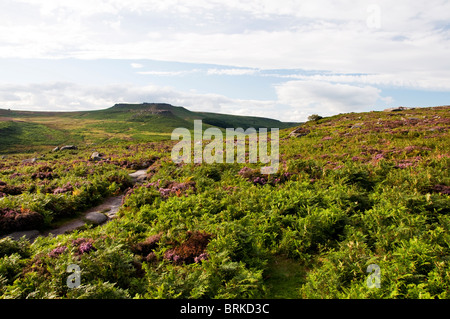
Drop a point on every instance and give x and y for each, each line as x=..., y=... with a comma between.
x=352, y=190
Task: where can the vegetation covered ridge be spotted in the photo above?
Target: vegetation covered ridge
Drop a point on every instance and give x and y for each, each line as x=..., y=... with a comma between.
x=22, y=131
x=353, y=190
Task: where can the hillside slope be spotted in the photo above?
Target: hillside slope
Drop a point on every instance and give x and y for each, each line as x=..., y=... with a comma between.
x=23, y=131
x=353, y=192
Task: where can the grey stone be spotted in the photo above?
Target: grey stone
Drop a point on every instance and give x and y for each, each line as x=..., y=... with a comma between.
x=96, y=156
x=30, y=160
x=139, y=176
x=299, y=132
x=358, y=125
x=397, y=109
x=68, y=147
x=96, y=218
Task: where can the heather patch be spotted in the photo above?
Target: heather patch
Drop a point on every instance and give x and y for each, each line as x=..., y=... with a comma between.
x=14, y=220
x=191, y=250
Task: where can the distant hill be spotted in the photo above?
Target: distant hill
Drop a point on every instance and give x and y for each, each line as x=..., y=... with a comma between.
x=177, y=114
x=22, y=131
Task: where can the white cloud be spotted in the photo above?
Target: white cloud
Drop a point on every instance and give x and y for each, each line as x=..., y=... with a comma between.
x=409, y=50
x=231, y=71
x=438, y=81
x=136, y=65
x=167, y=73
x=75, y=97
x=326, y=98
x=296, y=99
x=322, y=35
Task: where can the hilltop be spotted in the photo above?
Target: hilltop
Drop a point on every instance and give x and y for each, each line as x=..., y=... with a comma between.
x=22, y=131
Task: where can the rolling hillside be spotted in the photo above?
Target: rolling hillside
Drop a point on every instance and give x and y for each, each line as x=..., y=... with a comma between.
x=353, y=192
x=22, y=131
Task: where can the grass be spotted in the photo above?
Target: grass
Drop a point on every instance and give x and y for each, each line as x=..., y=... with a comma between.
x=284, y=277
x=17, y=136
x=22, y=131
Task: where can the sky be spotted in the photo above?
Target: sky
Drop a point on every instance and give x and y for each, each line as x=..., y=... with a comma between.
x=284, y=59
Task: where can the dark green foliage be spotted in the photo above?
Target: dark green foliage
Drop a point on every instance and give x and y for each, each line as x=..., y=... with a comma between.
x=9, y=246
x=314, y=117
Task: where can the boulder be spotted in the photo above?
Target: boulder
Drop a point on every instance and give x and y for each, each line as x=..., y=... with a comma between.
x=139, y=176
x=357, y=125
x=96, y=156
x=29, y=160
x=298, y=132
x=68, y=147
x=96, y=218
x=397, y=109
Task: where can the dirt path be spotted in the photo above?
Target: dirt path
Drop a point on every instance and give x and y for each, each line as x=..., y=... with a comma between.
x=108, y=209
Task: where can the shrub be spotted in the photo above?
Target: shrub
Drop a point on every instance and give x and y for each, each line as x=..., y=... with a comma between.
x=109, y=262
x=10, y=189
x=147, y=246
x=314, y=117
x=99, y=290
x=310, y=167
x=64, y=189
x=11, y=267
x=191, y=250
x=338, y=269
x=84, y=245
x=319, y=228
x=17, y=220
x=9, y=246
x=140, y=196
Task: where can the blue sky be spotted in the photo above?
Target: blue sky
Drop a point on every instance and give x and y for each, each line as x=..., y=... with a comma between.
x=282, y=59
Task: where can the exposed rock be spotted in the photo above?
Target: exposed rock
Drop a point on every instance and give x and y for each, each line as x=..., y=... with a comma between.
x=357, y=125
x=139, y=176
x=96, y=156
x=298, y=132
x=29, y=160
x=56, y=149
x=397, y=109
x=96, y=218
x=68, y=147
